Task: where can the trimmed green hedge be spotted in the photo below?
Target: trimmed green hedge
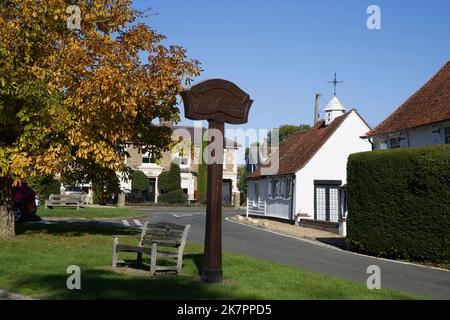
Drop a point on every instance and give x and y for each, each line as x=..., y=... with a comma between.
x=139, y=181
x=170, y=186
x=173, y=197
x=170, y=180
x=399, y=203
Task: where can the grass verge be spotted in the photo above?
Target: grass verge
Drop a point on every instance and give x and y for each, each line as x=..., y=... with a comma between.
x=89, y=213
x=34, y=263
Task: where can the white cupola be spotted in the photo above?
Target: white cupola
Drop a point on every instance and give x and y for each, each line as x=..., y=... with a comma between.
x=333, y=110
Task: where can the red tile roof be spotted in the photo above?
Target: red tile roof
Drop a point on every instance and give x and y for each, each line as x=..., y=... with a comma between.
x=300, y=147
x=428, y=105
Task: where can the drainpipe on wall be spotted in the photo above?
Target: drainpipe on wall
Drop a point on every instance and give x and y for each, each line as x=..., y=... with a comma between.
x=371, y=142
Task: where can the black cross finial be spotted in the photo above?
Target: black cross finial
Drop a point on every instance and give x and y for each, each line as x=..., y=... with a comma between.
x=335, y=82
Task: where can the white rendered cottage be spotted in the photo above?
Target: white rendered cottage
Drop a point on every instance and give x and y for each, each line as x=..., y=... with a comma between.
x=423, y=120
x=312, y=168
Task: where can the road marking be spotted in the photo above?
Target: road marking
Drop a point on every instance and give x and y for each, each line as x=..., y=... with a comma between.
x=138, y=222
x=186, y=215
x=126, y=223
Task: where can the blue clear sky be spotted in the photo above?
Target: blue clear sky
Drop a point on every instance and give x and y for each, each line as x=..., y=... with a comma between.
x=283, y=52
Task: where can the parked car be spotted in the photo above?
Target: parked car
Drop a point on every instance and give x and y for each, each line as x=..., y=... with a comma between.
x=73, y=190
x=25, y=203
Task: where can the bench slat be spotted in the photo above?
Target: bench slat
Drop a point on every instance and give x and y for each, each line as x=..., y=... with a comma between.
x=162, y=243
x=165, y=233
x=127, y=248
x=166, y=226
x=161, y=238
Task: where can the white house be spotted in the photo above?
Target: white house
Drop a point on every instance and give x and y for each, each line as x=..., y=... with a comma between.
x=189, y=165
x=423, y=120
x=312, y=168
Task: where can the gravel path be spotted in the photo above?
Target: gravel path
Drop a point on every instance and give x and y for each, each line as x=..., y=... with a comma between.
x=286, y=228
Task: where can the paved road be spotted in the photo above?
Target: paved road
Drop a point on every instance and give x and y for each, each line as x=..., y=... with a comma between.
x=310, y=256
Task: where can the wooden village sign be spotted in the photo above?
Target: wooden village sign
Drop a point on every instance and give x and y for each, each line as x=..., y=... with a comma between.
x=219, y=102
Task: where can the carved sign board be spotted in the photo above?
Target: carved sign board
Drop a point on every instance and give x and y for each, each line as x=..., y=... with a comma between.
x=217, y=100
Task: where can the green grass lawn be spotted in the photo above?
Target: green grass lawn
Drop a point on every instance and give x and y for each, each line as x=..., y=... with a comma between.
x=34, y=263
x=89, y=213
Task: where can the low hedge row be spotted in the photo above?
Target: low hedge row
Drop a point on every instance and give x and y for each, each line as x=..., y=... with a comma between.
x=173, y=197
x=399, y=203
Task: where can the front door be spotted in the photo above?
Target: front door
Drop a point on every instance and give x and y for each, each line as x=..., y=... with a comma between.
x=151, y=191
x=327, y=200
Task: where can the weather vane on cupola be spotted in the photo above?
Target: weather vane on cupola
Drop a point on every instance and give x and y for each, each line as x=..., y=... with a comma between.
x=335, y=82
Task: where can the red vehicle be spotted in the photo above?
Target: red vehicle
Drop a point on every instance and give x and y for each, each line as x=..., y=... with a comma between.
x=24, y=199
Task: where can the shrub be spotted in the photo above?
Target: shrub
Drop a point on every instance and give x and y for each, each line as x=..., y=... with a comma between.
x=173, y=197
x=170, y=180
x=104, y=185
x=202, y=179
x=139, y=182
x=169, y=184
x=44, y=186
x=399, y=203
x=242, y=183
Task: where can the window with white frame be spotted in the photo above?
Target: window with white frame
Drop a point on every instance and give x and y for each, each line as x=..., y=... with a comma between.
x=394, y=143
x=278, y=188
x=256, y=189
x=182, y=161
x=447, y=135
x=283, y=187
x=273, y=186
x=269, y=188
x=288, y=193
x=148, y=158
x=179, y=159
x=256, y=199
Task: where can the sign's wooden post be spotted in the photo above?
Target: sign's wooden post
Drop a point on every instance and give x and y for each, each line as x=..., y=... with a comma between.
x=212, y=259
x=219, y=102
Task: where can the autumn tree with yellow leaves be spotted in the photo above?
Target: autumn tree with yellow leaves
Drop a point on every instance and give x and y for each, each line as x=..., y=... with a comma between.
x=70, y=99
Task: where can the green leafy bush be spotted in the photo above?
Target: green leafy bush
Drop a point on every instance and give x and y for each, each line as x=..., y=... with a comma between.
x=139, y=182
x=202, y=179
x=170, y=180
x=399, y=203
x=169, y=184
x=104, y=185
x=242, y=183
x=173, y=197
x=44, y=186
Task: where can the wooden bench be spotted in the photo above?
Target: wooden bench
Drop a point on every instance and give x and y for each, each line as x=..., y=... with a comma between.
x=161, y=240
x=64, y=201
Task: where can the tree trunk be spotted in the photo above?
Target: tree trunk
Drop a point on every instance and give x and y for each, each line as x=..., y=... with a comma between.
x=7, y=227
